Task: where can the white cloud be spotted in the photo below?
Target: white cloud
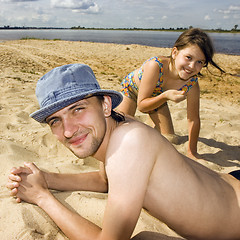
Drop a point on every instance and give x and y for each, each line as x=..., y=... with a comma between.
x=236, y=16
x=224, y=11
x=234, y=8
x=73, y=4
x=231, y=13
x=92, y=9
x=149, y=18
x=207, y=18
x=82, y=6
x=230, y=10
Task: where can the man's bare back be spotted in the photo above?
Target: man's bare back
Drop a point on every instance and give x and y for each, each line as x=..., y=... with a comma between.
x=190, y=198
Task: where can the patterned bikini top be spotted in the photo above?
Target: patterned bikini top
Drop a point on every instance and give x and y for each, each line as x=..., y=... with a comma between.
x=159, y=89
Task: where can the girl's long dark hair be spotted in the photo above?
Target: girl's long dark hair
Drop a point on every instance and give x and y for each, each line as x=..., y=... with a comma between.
x=202, y=40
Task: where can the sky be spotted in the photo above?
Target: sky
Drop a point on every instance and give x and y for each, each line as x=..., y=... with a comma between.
x=205, y=14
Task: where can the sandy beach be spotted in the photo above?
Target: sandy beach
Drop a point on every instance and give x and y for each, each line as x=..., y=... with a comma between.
x=22, y=139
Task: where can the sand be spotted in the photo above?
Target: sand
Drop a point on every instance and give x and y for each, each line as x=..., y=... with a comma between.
x=23, y=62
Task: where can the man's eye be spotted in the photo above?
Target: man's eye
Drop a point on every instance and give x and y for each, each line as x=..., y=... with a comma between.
x=78, y=109
x=53, y=122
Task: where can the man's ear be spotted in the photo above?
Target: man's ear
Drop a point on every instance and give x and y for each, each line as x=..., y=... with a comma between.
x=174, y=52
x=107, y=106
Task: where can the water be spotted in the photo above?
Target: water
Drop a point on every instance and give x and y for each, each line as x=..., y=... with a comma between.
x=228, y=43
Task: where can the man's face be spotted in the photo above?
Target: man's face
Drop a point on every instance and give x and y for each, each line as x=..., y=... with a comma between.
x=81, y=126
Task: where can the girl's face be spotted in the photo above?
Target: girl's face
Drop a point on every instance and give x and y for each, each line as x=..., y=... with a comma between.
x=188, y=61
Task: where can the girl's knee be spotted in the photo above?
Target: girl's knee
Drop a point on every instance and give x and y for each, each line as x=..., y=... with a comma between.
x=127, y=106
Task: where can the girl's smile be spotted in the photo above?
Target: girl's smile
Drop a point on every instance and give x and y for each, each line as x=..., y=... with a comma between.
x=188, y=61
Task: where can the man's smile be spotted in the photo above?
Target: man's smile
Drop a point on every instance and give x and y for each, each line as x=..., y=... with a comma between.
x=77, y=140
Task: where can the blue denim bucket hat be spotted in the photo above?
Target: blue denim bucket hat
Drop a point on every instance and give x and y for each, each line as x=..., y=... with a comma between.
x=65, y=85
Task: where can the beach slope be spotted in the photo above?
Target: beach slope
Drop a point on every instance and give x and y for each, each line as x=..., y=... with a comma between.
x=22, y=139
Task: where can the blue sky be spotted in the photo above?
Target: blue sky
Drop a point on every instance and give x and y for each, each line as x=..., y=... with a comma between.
x=121, y=13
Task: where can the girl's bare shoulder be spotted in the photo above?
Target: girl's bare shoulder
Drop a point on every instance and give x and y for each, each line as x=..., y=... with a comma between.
x=164, y=59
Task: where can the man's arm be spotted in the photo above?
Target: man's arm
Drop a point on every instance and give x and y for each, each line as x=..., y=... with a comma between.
x=90, y=181
x=33, y=189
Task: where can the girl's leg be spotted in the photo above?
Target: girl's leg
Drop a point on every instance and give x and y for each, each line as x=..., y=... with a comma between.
x=162, y=119
x=163, y=122
x=128, y=106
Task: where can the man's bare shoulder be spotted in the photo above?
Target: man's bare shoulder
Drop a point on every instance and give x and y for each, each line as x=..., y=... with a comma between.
x=131, y=127
x=130, y=148
x=134, y=135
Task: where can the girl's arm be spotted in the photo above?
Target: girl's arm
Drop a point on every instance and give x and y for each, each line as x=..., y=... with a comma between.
x=193, y=105
x=148, y=83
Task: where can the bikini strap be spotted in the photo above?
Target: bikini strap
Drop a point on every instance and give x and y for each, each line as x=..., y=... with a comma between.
x=190, y=83
x=157, y=59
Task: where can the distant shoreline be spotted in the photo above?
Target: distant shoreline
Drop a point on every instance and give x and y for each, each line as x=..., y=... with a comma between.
x=118, y=29
x=227, y=43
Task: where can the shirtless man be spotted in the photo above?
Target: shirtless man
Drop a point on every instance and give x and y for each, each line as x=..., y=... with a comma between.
x=139, y=168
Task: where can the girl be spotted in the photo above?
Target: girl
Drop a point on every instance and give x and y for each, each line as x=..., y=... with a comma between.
x=161, y=79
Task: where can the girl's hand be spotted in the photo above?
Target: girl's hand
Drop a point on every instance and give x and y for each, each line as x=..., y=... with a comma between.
x=175, y=95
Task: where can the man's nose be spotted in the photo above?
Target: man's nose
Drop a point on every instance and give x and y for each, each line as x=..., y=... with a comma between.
x=69, y=128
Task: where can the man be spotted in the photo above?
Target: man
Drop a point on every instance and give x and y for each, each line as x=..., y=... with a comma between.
x=139, y=168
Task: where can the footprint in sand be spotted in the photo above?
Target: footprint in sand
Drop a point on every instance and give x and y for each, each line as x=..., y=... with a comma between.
x=37, y=225
x=23, y=117
x=16, y=152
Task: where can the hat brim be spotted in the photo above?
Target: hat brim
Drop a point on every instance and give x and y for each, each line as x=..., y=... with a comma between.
x=44, y=112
